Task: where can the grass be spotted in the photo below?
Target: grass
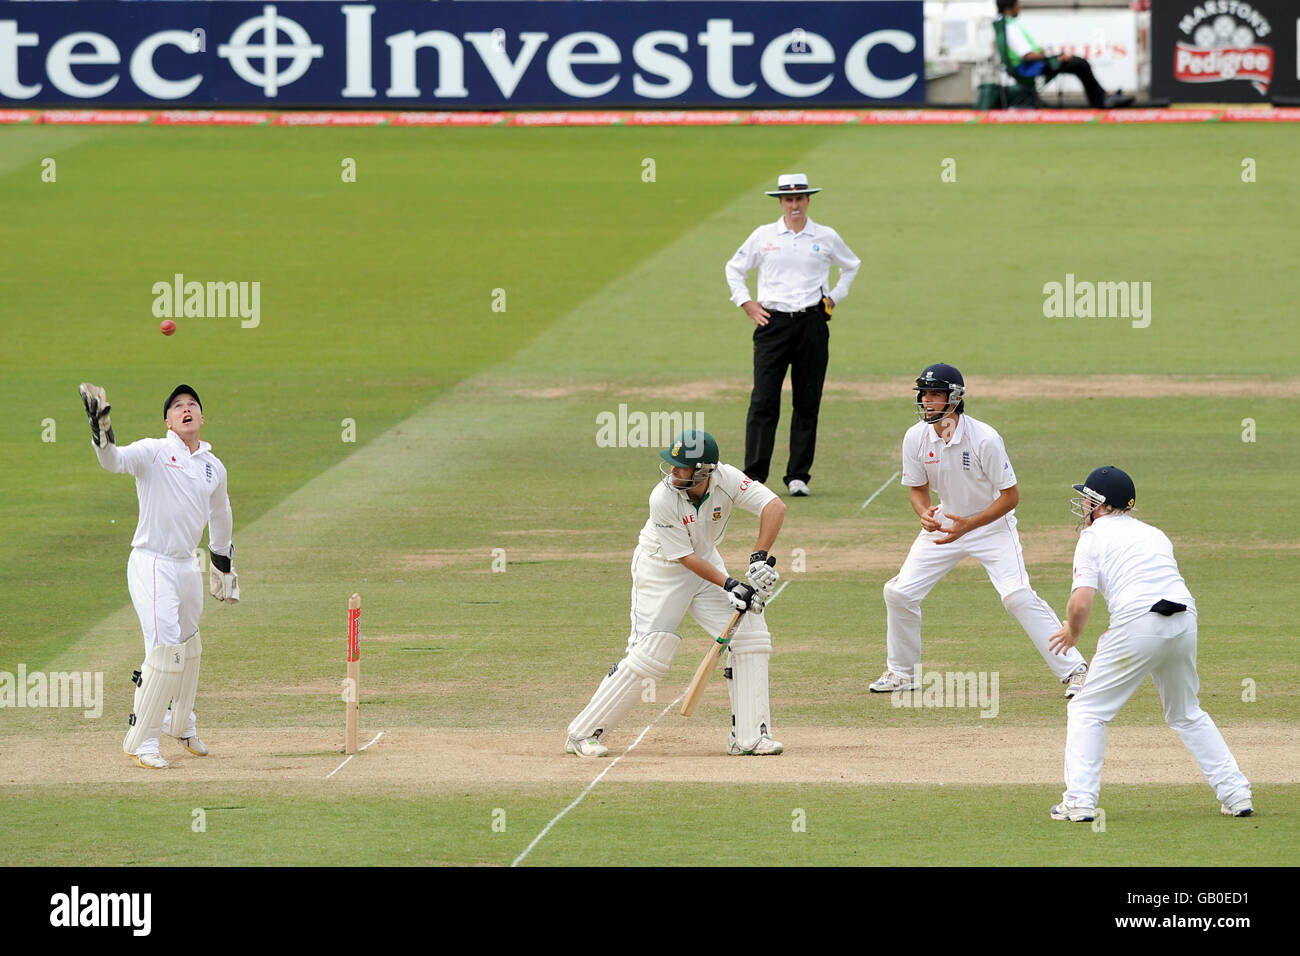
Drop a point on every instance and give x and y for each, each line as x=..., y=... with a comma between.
x=475, y=432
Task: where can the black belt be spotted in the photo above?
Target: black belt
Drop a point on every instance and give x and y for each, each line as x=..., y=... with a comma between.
x=817, y=308
x=1168, y=608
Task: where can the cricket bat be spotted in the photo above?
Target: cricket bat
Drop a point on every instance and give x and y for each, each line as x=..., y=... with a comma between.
x=702, y=673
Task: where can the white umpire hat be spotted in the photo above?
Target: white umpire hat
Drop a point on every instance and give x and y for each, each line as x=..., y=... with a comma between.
x=793, y=184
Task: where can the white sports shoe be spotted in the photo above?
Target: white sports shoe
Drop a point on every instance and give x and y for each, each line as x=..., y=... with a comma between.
x=765, y=747
x=1073, y=814
x=194, y=746
x=586, y=747
x=150, y=761
x=1237, y=808
x=891, y=681
x=799, y=489
x=1074, y=681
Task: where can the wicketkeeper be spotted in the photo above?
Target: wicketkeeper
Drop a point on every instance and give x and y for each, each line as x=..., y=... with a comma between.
x=181, y=487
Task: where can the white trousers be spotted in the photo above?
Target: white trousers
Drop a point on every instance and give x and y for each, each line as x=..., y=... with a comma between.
x=1165, y=648
x=997, y=547
x=168, y=598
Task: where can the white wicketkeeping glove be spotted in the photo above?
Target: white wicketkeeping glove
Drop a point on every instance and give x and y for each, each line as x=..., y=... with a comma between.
x=224, y=584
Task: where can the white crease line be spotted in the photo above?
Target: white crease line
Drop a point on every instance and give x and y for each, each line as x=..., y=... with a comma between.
x=591, y=786
x=776, y=595
x=345, y=763
x=879, y=490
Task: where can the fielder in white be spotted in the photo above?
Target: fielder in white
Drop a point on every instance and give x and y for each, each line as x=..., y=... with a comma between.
x=181, y=487
x=676, y=569
x=965, y=461
x=1152, y=630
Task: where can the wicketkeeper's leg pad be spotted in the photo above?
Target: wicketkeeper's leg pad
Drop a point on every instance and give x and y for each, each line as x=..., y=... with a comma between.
x=183, y=702
x=160, y=681
x=647, y=660
x=751, y=715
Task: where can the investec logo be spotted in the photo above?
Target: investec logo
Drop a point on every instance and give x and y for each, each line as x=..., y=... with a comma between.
x=272, y=51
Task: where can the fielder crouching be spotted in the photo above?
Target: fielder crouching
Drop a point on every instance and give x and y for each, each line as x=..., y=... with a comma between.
x=1152, y=630
x=676, y=569
x=181, y=487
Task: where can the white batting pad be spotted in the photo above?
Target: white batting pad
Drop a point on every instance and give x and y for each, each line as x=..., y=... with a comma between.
x=647, y=658
x=750, y=710
x=183, y=702
x=160, y=679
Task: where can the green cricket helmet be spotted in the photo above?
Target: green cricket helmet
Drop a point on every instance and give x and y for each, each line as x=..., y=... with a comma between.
x=693, y=448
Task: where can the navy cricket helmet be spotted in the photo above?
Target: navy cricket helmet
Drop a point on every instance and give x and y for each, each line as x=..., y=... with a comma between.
x=942, y=377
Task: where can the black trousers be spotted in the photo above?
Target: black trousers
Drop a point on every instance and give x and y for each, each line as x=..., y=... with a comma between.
x=1078, y=66
x=799, y=343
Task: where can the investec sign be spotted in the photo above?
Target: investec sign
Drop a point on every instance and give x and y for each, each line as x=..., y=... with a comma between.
x=463, y=54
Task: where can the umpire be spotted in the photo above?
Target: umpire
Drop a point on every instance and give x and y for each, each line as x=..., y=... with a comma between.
x=794, y=257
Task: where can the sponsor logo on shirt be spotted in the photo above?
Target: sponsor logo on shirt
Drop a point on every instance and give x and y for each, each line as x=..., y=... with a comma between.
x=688, y=519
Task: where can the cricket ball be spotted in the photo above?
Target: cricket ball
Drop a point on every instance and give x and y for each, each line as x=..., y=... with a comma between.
x=167, y=327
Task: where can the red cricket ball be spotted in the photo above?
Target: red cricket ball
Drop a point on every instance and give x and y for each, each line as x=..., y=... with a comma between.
x=167, y=327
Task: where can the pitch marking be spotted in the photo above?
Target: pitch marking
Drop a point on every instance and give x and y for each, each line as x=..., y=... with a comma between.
x=591, y=786
x=345, y=763
x=879, y=490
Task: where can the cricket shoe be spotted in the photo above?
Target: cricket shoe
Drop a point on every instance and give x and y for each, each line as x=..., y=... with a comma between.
x=799, y=489
x=586, y=747
x=891, y=681
x=1074, y=681
x=194, y=746
x=765, y=747
x=150, y=761
x=1237, y=808
x=1073, y=814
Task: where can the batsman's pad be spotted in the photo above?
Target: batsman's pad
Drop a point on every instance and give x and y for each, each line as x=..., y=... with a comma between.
x=747, y=686
x=183, y=702
x=647, y=659
x=160, y=679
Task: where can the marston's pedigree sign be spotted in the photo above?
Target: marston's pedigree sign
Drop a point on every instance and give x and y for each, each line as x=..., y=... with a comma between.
x=1225, y=50
x=471, y=55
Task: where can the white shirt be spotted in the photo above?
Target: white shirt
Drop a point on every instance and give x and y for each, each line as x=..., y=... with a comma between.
x=1131, y=564
x=179, y=493
x=1017, y=39
x=968, y=472
x=678, y=526
x=793, y=267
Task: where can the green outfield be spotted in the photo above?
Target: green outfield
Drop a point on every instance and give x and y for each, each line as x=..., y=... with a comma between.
x=414, y=417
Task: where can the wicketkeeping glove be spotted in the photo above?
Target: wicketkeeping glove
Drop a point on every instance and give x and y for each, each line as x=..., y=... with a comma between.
x=223, y=582
x=97, y=408
x=762, y=572
x=742, y=596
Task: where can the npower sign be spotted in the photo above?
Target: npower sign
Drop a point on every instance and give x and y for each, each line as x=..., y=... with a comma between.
x=487, y=54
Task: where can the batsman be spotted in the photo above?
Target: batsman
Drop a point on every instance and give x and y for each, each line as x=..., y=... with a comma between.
x=181, y=486
x=676, y=569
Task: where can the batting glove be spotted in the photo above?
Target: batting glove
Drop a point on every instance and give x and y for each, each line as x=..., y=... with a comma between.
x=740, y=595
x=762, y=573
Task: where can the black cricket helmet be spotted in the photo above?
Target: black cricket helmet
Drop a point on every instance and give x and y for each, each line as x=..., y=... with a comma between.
x=1107, y=485
x=940, y=377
